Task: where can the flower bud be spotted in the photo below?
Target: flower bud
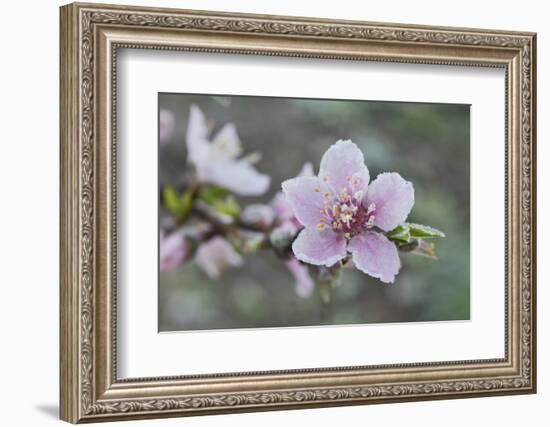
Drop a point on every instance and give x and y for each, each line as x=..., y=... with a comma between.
x=281, y=237
x=258, y=215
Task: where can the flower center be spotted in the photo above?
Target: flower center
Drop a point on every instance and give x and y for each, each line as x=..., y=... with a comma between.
x=344, y=211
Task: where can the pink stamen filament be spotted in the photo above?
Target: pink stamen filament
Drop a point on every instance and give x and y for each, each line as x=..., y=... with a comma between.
x=344, y=211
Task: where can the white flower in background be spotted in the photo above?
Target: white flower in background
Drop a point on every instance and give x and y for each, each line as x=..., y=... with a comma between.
x=282, y=236
x=216, y=255
x=258, y=215
x=167, y=125
x=218, y=160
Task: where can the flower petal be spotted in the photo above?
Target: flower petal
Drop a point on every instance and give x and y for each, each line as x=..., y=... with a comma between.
x=198, y=146
x=167, y=124
x=341, y=162
x=258, y=215
x=237, y=176
x=393, y=198
x=374, y=254
x=226, y=144
x=282, y=208
x=304, y=282
x=172, y=252
x=319, y=247
x=280, y=204
x=307, y=170
x=305, y=199
x=216, y=255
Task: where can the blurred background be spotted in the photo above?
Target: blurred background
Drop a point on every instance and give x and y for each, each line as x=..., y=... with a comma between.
x=428, y=144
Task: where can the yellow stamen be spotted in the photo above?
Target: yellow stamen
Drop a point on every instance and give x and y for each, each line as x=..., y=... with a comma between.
x=325, y=178
x=320, y=226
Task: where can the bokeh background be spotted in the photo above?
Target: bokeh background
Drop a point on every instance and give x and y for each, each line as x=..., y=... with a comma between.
x=428, y=144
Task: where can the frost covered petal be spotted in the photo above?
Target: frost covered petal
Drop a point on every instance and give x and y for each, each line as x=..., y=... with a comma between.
x=305, y=198
x=281, y=206
x=340, y=163
x=307, y=170
x=374, y=254
x=319, y=247
x=393, y=198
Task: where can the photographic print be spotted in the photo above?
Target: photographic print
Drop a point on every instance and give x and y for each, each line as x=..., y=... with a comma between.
x=355, y=199
x=278, y=212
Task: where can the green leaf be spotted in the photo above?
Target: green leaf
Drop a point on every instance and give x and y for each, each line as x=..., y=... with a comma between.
x=212, y=193
x=186, y=201
x=227, y=206
x=220, y=199
x=177, y=205
x=170, y=198
x=423, y=231
x=401, y=233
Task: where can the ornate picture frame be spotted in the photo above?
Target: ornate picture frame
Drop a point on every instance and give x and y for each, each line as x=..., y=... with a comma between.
x=90, y=37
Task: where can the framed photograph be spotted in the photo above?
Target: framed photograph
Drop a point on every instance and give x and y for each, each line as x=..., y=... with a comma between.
x=265, y=212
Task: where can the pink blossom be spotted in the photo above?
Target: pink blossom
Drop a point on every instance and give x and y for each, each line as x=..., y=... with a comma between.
x=167, y=124
x=304, y=282
x=218, y=161
x=282, y=207
x=342, y=213
x=216, y=255
x=288, y=226
x=173, y=251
